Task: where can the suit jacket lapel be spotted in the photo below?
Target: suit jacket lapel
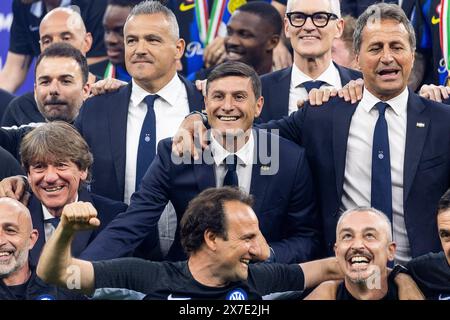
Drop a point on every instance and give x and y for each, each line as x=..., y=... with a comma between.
x=195, y=98
x=342, y=117
x=204, y=171
x=280, y=94
x=81, y=239
x=118, y=131
x=259, y=180
x=415, y=140
x=37, y=217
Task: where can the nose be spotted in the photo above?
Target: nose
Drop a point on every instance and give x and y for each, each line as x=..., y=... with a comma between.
x=54, y=87
x=141, y=48
x=228, y=103
x=387, y=57
x=111, y=37
x=309, y=25
x=357, y=243
x=51, y=175
x=231, y=39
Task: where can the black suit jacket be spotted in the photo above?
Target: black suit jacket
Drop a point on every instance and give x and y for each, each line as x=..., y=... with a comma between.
x=107, y=209
x=284, y=202
x=102, y=121
x=275, y=90
x=324, y=131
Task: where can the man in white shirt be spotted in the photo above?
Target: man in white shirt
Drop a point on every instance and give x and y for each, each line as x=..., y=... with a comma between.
x=311, y=27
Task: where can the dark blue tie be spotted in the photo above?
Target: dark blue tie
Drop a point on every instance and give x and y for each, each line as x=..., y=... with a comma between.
x=231, y=178
x=309, y=85
x=147, y=140
x=381, y=194
x=53, y=221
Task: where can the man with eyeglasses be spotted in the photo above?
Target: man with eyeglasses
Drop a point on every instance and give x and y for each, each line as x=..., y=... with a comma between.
x=311, y=27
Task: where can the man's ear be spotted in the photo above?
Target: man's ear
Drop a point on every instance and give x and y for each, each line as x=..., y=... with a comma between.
x=272, y=42
x=210, y=239
x=392, y=248
x=34, y=235
x=87, y=44
x=86, y=91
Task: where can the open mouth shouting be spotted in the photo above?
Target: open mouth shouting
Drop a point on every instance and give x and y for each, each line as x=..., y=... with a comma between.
x=388, y=73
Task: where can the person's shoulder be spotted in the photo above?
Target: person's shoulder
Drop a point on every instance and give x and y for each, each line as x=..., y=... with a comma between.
x=23, y=101
x=276, y=75
x=428, y=259
x=103, y=201
x=104, y=100
x=327, y=290
x=434, y=106
x=285, y=145
x=351, y=73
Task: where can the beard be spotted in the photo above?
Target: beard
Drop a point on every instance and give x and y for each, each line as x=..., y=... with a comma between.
x=15, y=264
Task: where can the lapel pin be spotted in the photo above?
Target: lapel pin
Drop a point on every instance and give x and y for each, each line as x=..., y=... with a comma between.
x=420, y=125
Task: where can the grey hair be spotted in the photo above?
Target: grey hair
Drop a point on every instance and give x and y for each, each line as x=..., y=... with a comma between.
x=373, y=210
x=154, y=7
x=375, y=14
x=335, y=6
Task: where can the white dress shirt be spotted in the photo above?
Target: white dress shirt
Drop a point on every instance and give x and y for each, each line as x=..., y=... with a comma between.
x=243, y=168
x=298, y=92
x=49, y=229
x=358, y=164
x=170, y=109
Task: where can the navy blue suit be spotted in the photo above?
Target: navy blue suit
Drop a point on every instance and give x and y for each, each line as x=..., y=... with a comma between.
x=323, y=131
x=276, y=86
x=102, y=121
x=284, y=204
x=107, y=209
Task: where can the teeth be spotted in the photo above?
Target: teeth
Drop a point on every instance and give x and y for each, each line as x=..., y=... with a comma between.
x=4, y=254
x=53, y=189
x=227, y=118
x=359, y=260
x=246, y=261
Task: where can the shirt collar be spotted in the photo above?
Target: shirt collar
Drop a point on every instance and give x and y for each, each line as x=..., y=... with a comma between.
x=37, y=8
x=329, y=76
x=47, y=214
x=169, y=92
x=245, y=154
x=398, y=103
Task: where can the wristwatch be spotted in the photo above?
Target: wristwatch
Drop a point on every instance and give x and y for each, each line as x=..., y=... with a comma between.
x=201, y=114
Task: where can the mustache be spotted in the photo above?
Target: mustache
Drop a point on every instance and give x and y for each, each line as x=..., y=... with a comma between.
x=54, y=101
x=358, y=252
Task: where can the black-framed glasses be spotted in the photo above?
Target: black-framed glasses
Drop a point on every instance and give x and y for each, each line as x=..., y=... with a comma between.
x=319, y=19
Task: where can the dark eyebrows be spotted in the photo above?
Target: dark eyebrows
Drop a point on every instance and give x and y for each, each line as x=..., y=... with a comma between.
x=444, y=232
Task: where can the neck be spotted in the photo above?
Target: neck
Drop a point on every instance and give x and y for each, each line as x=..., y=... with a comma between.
x=154, y=85
x=370, y=289
x=265, y=66
x=232, y=143
x=203, y=270
x=385, y=96
x=313, y=67
x=19, y=277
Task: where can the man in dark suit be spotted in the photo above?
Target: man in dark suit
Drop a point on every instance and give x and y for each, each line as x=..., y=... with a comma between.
x=111, y=123
x=346, y=148
x=311, y=39
x=273, y=170
x=57, y=161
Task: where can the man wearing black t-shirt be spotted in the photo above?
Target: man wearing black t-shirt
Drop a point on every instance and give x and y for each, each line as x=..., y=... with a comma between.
x=220, y=233
x=18, y=280
x=432, y=271
x=24, y=37
x=363, y=248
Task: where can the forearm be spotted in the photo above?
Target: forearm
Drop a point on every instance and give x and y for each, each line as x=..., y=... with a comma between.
x=57, y=266
x=318, y=271
x=14, y=71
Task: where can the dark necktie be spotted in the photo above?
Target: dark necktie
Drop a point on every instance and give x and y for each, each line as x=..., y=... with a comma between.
x=231, y=178
x=53, y=221
x=381, y=192
x=309, y=85
x=147, y=140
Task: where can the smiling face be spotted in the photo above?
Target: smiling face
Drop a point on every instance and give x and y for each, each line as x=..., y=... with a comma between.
x=385, y=58
x=241, y=246
x=151, y=50
x=113, y=21
x=248, y=39
x=55, y=183
x=309, y=41
x=443, y=221
x=16, y=237
x=231, y=105
x=363, y=246
x=59, y=89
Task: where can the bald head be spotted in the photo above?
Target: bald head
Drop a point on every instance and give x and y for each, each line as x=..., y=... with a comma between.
x=16, y=208
x=64, y=25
